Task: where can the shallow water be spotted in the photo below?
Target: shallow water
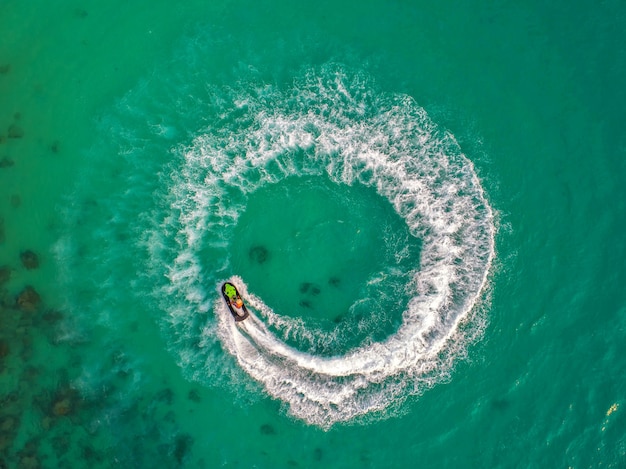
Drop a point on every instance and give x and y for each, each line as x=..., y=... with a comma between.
x=421, y=204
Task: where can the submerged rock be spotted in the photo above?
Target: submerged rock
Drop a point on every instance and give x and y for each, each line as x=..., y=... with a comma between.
x=29, y=259
x=267, y=429
x=4, y=349
x=62, y=407
x=28, y=300
x=9, y=424
x=16, y=201
x=28, y=455
x=334, y=281
x=61, y=444
x=181, y=447
x=29, y=462
x=5, y=274
x=165, y=396
x=5, y=68
x=30, y=376
x=92, y=455
x=308, y=288
x=5, y=442
x=500, y=404
x=259, y=254
x=11, y=403
x=6, y=162
x=194, y=396
x=15, y=131
x=52, y=316
x=65, y=402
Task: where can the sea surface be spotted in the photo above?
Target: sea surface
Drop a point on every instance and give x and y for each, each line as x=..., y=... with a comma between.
x=421, y=203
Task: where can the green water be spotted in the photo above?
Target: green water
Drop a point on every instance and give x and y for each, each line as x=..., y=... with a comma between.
x=349, y=165
x=320, y=244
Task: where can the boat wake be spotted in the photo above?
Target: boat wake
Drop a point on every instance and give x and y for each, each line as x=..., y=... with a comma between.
x=332, y=125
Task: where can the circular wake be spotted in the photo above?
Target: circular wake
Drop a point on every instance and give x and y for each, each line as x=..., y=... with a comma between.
x=183, y=160
x=333, y=125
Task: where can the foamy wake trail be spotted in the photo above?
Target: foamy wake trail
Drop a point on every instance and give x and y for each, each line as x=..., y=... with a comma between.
x=335, y=126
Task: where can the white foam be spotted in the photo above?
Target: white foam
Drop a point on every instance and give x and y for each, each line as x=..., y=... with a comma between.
x=334, y=125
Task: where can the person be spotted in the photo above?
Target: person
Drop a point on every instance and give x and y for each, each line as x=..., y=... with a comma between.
x=238, y=302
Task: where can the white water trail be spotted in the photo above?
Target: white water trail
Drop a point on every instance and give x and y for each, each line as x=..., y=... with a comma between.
x=334, y=127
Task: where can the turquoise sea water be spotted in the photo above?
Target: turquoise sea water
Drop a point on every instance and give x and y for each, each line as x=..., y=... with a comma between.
x=421, y=203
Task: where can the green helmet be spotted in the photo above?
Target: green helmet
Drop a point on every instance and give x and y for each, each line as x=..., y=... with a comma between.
x=230, y=291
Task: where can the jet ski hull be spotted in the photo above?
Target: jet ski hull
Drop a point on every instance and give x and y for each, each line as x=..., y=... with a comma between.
x=239, y=314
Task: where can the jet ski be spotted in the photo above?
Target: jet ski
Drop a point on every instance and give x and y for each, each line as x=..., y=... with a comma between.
x=235, y=303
